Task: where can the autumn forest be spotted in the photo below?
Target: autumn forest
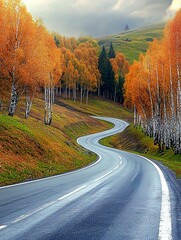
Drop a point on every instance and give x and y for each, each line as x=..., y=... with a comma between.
x=35, y=62
x=153, y=88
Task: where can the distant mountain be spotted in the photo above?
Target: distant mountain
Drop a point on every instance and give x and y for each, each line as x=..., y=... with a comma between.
x=132, y=42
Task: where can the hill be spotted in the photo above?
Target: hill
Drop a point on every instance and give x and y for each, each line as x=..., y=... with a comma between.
x=30, y=150
x=132, y=43
x=133, y=139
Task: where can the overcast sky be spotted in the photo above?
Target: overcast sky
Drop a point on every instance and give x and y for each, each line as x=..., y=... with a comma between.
x=99, y=17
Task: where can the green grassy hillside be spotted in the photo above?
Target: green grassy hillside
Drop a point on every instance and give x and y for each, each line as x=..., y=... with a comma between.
x=132, y=43
x=30, y=150
x=133, y=139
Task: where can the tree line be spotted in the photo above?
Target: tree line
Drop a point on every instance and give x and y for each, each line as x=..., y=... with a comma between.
x=153, y=88
x=33, y=60
x=113, y=68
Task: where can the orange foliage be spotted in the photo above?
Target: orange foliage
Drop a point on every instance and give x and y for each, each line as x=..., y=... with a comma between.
x=31, y=58
x=153, y=87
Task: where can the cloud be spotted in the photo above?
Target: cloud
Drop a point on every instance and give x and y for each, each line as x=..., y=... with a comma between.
x=175, y=5
x=96, y=17
x=119, y=4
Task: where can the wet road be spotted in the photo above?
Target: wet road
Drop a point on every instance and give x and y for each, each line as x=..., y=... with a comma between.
x=121, y=196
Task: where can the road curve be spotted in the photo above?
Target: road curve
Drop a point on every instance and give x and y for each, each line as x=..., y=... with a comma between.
x=121, y=196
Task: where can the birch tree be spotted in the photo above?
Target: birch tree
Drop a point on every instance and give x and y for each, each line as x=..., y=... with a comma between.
x=158, y=103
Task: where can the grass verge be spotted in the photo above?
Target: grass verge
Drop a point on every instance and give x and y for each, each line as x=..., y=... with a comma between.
x=132, y=43
x=31, y=150
x=134, y=140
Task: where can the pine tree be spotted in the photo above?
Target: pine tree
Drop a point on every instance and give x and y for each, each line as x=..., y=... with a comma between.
x=120, y=89
x=110, y=81
x=126, y=28
x=112, y=53
x=102, y=65
x=107, y=75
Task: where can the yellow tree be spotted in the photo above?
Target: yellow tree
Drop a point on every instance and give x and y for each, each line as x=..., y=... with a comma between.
x=19, y=26
x=173, y=42
x=120, y=67
x=53, y=73
x=153, y=87
x=67, y=69
x=3, y=39
x=88, y=54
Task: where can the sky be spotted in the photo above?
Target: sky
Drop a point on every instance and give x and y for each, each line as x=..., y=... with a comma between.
x=99, y=17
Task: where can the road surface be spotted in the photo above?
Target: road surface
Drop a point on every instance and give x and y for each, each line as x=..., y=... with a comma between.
x=121, y=196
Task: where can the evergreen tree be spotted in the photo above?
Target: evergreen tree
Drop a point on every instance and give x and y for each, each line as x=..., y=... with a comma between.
x=112, y=53
x=126, y=28
x=120, y=92
x=57, y=41
x=110, y=81
x=107, y=75
x=102, y=65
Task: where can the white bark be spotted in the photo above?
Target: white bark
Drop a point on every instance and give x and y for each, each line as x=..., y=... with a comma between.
x=81, y=92
x=135, y=115
x=48, y=105
x=152, y=122
x=14, y=94
x=29, y=102
x=14, y=98
x=75, y=92
x=87, y=97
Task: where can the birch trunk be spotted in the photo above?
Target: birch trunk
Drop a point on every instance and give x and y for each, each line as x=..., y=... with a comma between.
x=135, y=116
x=14, y=94
x=66, y=90
x=87, y=97
x=29, y=102
x=75, y=92
x=172, y=107
x=13, y=100
x=57, y=91
x=60, y=91
x=81, y=92
x=48, y=105
x=157, y=134
x=98, y=91
x=52, y=95
x=69, y=90
x=178, y=134
x=152, y=122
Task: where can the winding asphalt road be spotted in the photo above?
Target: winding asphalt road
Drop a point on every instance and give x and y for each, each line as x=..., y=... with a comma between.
x=121, y=196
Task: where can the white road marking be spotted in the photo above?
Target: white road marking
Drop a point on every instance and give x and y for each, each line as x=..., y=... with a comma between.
x=165, y=228
x=3, y=226
x=22, y=217
x=63, y=174
x=97, y=179
x=47, y=178
x=47, y=205
x=105, y=175
x=71, y=193
x=18, y=219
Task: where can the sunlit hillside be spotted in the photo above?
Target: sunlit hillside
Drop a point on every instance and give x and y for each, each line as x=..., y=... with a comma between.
x=132, y=43
x=29, y=149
